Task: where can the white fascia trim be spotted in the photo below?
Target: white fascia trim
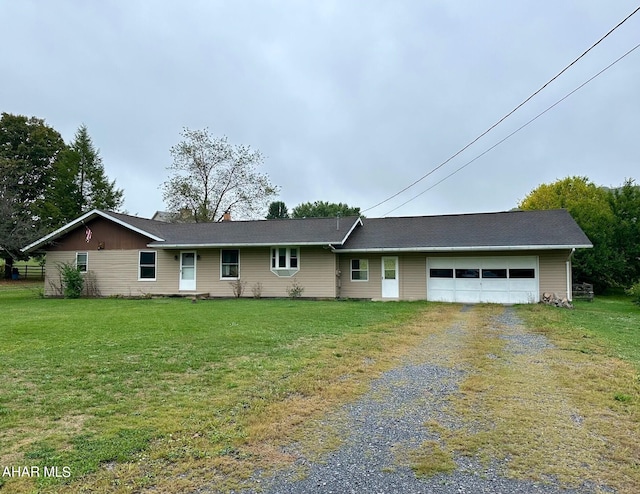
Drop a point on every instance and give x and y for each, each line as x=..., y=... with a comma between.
x=73, y=224
x=353, y=227
x=236, y=245
x=463, y=249
x=131, y=227
x=61, y=231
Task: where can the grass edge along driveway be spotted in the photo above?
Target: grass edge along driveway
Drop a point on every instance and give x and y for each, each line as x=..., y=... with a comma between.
x=178, y=417
x=167, y=394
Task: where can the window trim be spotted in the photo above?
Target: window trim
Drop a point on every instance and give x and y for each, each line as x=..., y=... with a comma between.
x=222, y=264
x=359, y=270
x=155, y=265
x=287, y=271
x=86, y=263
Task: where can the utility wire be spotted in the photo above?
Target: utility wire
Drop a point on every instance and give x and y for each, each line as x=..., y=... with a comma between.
x=506, y=116
x=517, y=130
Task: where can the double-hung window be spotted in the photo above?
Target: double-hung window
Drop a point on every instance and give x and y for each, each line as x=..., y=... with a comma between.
x=359, y=270
x=285, y=261
x=82, y=261
x=147, y=266
x=230, y=264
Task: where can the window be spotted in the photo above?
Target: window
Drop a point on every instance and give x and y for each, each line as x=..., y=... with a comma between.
x=467, y=273
x=230, y=263
x=441, y=273
x=522, y=273
x=82, y=261
x=285, y=261
x=359, y=270
x=147, y=266
x=494, y=273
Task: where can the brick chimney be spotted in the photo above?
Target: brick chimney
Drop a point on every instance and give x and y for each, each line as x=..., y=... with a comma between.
x=226, y=216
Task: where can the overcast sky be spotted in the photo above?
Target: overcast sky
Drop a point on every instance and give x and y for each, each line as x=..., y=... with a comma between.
x=350, y=101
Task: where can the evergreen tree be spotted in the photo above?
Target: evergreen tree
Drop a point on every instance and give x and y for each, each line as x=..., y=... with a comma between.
x=277, y=210
x=96, y=191
x=79, y=183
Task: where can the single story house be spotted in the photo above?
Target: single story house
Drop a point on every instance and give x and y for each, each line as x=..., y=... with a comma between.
x=504, y=257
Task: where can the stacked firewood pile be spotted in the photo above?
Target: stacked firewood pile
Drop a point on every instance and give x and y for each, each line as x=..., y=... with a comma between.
x=549, y=298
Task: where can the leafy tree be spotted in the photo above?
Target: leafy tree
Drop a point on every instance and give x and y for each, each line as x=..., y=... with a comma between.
x=589, y=206
x=277, y=210
x=79, y=183
x=28, y=152
x=323, y=209
x=210, y=176
x=625, y=206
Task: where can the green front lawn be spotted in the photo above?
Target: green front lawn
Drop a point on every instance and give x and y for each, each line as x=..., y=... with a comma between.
x=175, y=395
x=609, y=324
x=166, y=384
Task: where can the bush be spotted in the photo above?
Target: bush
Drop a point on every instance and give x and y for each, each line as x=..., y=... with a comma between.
x=295, y=290
x=237, y=287
x=72, y=281
x=634, y=291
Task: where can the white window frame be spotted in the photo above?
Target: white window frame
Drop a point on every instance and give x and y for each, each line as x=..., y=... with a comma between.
x=360, y=270
x=287, y=270
x=222, y=277
x=86, y=263
x=155, y=265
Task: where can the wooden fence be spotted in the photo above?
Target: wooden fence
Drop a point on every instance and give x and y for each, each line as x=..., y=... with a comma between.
x=583, y=291
x=26, y=272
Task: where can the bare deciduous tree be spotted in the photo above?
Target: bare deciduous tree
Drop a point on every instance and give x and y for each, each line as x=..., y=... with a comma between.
x=210, y=176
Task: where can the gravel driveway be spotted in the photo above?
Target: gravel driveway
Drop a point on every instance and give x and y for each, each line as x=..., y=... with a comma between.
x=389, y=420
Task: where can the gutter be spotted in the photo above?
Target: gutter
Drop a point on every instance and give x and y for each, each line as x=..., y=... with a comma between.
x=477, y=248
x=174, y=246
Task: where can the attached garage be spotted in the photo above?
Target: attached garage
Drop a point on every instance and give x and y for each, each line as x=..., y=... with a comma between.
x=501, y=280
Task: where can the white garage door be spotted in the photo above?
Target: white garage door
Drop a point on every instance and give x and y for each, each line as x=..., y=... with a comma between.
x=501, y=280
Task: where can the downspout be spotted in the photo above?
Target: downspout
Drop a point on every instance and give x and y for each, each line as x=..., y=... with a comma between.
x=338, y=276
x=569, y=276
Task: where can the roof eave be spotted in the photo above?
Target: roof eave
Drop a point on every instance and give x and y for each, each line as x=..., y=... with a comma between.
x=173, y=246
x=476, y=248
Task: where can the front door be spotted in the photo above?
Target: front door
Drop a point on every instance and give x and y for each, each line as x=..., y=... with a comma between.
x=188, y=271
x=390, y=285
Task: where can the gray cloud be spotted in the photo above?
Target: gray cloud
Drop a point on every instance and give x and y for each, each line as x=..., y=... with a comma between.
x=350, y=101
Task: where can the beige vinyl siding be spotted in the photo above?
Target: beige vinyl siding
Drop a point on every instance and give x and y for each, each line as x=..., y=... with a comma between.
x=316, y=274
x=412, y=276
x=116, y=273
x=553, y=272
x=360, y=289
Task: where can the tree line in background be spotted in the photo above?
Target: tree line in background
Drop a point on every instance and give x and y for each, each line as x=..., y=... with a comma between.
x=45, y=182
x=317, y=209
x=611, y=220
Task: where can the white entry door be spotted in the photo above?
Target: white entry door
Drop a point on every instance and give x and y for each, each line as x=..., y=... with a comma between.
x=390, y=285
x=187, y=271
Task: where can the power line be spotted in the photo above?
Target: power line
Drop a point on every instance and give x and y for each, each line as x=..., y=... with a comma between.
x=517, y=130
x=504, y=117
